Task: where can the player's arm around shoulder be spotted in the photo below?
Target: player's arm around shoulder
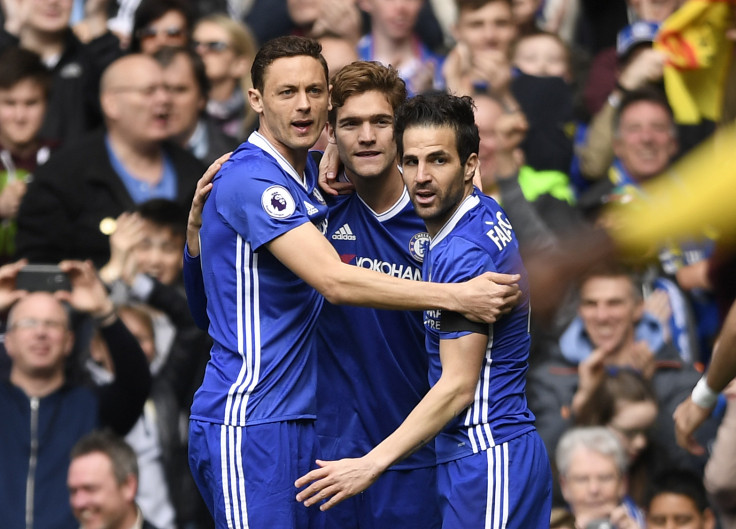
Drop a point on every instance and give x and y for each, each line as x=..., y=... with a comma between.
x=307, y=253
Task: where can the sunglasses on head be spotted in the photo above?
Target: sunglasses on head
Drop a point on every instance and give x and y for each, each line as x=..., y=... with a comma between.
x=150, y=32
x=213, y=45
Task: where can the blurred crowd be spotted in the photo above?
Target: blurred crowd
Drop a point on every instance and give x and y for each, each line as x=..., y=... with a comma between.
x=110, y=111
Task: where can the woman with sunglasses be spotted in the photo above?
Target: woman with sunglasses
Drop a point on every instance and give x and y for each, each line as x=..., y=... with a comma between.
x=227, y=48
x=159, y=23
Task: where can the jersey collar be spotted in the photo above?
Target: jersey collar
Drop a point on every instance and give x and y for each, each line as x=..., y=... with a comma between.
x=466, y=205
x=257, y=139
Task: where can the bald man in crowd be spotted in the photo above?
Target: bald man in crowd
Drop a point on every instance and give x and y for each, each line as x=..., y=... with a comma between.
x=72, y=205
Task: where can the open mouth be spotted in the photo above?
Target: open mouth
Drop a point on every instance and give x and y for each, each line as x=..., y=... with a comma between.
x=424, y=196
x=161, y=117
x=302, y=126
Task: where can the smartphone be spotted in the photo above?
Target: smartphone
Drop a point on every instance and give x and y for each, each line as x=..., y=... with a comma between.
x=42, y=277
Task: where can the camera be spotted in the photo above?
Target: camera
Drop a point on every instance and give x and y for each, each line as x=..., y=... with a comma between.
x=42, y=277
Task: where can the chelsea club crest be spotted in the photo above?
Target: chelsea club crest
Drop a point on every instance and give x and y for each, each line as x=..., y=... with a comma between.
x=418, y=245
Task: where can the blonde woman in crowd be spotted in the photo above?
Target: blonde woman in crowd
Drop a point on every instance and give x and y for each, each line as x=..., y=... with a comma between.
x=227, y=48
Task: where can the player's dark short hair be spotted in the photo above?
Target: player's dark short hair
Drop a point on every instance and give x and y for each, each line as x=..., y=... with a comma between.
x=440, y=110
x=363, y=76
x=19, y=64
x=278, y=48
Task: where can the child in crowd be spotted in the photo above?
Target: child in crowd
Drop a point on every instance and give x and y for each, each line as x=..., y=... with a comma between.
x=543, y=55
x=24, y=90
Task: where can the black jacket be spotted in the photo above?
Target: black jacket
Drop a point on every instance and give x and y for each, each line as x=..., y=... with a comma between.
x=60, y=215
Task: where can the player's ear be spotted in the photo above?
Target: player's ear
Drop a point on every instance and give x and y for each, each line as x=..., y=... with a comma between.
x=256, y=100
x=470, y=166
x=329, y=97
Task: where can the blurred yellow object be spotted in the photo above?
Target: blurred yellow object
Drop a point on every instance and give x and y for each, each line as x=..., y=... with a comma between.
x=696, y=194
x=698, y=57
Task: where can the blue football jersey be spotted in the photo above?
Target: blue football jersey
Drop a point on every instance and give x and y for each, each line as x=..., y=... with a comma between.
x=479, y=238
x=372, y=367
x=262, y=316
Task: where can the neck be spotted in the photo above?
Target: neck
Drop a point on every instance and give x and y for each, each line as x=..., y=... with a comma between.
x=223, y=89
x=184, y=137
x=435, y=225
x=381, y=192
x=144, y=160
x=38, y=386
x=45, y=44
x=25, y=150
x=133, y=519
x=392, y=51
x=296, y=157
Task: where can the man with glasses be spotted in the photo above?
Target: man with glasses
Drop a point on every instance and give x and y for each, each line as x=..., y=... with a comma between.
x=42, y=413
x=71, y=206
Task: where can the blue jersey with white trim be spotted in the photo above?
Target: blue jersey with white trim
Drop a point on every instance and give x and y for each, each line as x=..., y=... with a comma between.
x=372, y=367
x=479, y=238
x=262, y=316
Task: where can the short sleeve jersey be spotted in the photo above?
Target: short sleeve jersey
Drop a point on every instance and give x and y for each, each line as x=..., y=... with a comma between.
x=479, y=238
x=372, y=366
x=262, y=316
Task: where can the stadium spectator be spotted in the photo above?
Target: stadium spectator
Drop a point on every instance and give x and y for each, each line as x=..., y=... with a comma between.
x=160, y=23
x=678, y=499
x=102, y=481
x=73, y=106
x=393, y=41
x=612, y=331
x=227, y=49
x=71, y=206
x=592, y=470
x=24, y=92
x=189, y=125
x=43, y=414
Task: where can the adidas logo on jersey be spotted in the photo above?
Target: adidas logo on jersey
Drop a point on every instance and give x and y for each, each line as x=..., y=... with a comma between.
x=311, y=210
x=344, y=234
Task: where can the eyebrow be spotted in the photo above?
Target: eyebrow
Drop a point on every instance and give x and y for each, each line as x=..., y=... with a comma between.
x=372, y=117
x=436, y=154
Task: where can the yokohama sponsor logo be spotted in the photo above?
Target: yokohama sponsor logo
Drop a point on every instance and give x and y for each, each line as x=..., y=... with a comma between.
x=390, y=269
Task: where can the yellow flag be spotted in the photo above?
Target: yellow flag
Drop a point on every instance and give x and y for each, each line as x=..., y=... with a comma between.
x=696, y=193
x=698, y=57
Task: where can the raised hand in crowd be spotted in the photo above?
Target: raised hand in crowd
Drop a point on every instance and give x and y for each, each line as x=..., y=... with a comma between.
x=88, y=294
x=129, y=232
x=8, y=292
x=646, y=67
x=340, y=17
x=94, y=23
x=510, y=131
x=16, y=14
